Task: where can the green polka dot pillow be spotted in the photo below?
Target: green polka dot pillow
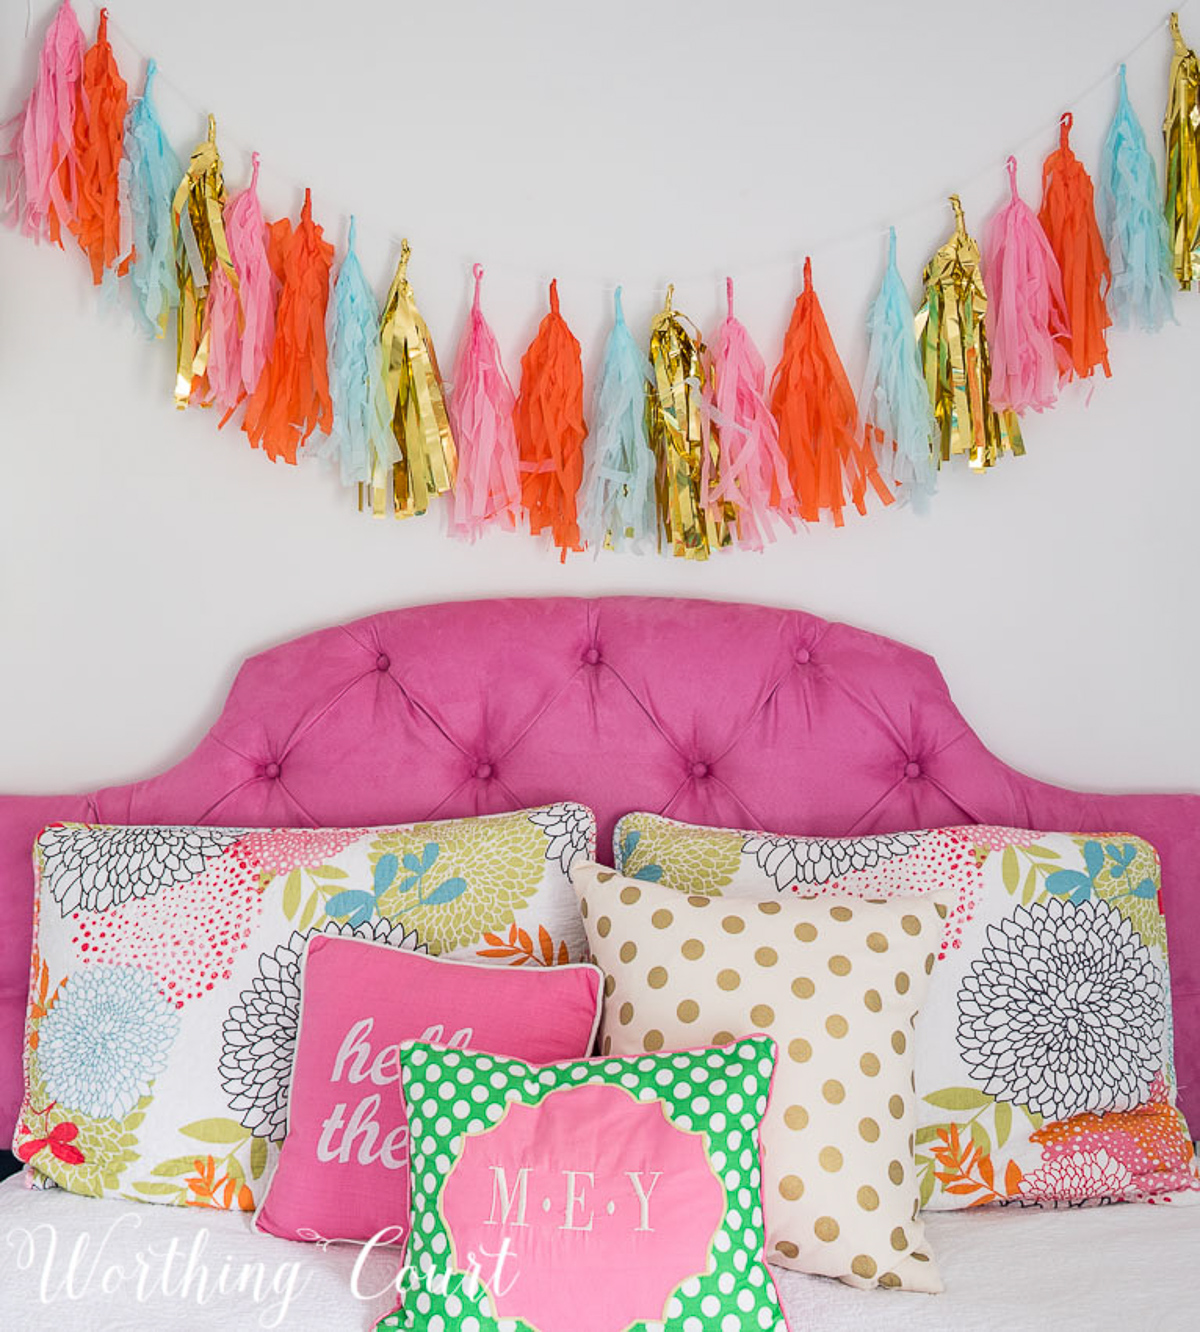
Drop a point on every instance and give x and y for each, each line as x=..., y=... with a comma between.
x=587, y=1196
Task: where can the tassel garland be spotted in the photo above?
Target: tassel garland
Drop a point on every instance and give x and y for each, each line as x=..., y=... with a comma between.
x=897, y=415
x=99, y=129
x=42, y=161
x=1026, y=316
x=550, y=430
x=242, y=319
x=1181, y=131
x=753, y=473
x=151, y=172
x=292, y=397
x=200, y=245
x=818, y=420
x=361, y=439
x=954, y=351
x=417, y=407
x=488, y=491
x=690, y=449
x=682, y=441
x=1136, y=234
x=618, y=481
x=1068, y=217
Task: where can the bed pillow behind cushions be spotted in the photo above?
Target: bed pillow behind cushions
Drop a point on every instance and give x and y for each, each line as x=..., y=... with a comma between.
x=1045, y=1070
x=590, y=1196
x=836, y=982
x=165, y=976
x=343, y=1169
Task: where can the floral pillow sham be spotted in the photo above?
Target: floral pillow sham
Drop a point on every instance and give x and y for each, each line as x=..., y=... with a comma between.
x=587, y=1196
x=165, y=986
x=1044, y=1071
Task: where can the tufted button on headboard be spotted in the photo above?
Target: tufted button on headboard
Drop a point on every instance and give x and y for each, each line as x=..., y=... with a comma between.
x=709, y=712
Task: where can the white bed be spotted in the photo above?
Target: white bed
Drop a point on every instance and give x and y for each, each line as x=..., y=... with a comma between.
x=1131, y=1268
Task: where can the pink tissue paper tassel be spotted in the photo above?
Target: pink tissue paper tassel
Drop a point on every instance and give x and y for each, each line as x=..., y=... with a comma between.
x=224, y=378
x=488, y=489
x=752, y=471
x=242, y=337
x=41, y=164
x=1026, y=316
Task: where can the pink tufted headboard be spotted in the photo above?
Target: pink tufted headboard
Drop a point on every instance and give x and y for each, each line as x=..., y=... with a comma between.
x=710, y=712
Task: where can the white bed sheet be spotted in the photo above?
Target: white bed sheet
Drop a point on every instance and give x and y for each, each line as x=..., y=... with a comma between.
x=1132, y=1268
x=301, y=1287
x=1129, y=1268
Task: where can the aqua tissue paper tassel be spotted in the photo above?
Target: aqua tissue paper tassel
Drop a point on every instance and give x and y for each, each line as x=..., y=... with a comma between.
x=618, y=480
x=897, y=418
x=151, y=171
x=362, y=435
x=1136, y=234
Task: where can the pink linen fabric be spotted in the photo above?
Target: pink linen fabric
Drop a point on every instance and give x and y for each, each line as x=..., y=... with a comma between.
x=714, y=713
x=343, y=1170
x=689, y=1205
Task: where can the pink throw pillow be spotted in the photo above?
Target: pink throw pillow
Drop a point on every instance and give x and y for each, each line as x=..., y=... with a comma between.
x=343, y=1170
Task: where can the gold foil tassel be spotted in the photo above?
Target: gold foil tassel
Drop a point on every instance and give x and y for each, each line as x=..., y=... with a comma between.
x=428, y=459
x=1181, y=131
x=681, y=438
x=199, y=233
x=954, y=353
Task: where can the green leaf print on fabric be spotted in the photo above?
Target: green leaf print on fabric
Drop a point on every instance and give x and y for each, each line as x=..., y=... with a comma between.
x=216, y=1130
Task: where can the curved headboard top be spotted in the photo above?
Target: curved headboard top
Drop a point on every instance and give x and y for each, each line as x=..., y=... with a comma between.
x=711, y=712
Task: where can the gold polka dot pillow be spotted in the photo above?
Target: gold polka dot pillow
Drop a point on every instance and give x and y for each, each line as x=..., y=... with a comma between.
x=837, y=982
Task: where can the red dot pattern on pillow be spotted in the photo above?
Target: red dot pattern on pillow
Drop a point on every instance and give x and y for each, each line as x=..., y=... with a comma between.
x=188, y=934
x=941, y=858
x=280, y=850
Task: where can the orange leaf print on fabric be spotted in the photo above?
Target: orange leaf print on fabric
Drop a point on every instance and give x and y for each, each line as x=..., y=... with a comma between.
x=519, y=948
x=44, y=1002
x=964, y=1168
x=1012, y=1179
x=40, y=1007
x=224, y=1193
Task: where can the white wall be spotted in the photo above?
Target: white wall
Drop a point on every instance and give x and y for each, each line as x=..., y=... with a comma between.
x=142, y=554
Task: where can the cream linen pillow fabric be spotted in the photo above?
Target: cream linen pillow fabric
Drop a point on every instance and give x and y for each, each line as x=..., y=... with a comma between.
x=837, y=982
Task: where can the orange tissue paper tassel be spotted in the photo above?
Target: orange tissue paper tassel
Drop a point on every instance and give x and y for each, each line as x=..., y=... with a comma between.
x=813, y=402
x=99, y=132
x=291, y=399
x=550, y=429
x=1068, y=217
